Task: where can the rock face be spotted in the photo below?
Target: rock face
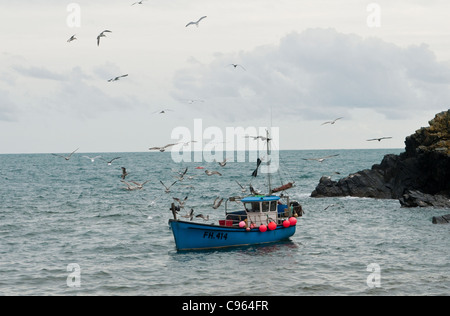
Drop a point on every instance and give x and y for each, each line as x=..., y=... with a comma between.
x=445, y=219
x=418, y=177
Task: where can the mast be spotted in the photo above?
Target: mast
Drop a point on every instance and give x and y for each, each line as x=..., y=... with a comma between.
x=268, y=163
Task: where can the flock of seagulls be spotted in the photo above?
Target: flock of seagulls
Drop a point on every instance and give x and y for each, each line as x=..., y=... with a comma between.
x=332, y=122
x=134, y=185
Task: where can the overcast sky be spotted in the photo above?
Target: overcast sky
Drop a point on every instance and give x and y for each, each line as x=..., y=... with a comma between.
x=386, y=72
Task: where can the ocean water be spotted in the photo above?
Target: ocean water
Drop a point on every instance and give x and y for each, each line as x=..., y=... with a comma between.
x=56, y=215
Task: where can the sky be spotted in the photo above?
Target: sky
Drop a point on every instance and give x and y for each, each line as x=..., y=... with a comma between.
x=383, y=66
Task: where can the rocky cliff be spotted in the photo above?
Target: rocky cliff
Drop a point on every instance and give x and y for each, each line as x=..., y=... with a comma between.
x=418, y=177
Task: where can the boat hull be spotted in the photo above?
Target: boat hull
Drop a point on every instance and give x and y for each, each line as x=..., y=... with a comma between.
x=196, y=236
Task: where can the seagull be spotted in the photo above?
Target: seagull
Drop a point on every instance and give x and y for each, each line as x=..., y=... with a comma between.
x=223, y=163
x=237, y=65
x=196, y=23
x=162, y=149
x=139, y=2
x=110, y=162
x=117, y=78
x=256, y=137
x=162, y=111
x=242, y=188
x=182, y=174
x=191, y=101
x=139, y=185
x=124, y=172
x=181, y=202
x=331, y=205
x=332, y=122
x=320, y=159
x=91, y=158
x=167, y=189
x=187, y=143
x=378, y=139
x=189, y=215
x=210, y=173
x=254, y=191
x=66, y=157
x=217, y=203
x=72, y=38
x=202, y=216
x=129, y=186
x=102, y=34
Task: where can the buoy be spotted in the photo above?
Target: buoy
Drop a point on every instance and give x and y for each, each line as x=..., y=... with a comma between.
x=286, y=224
x=263, y=228
x=247, y=229
x=272, y=226
x=293, y=221
x=241, y=224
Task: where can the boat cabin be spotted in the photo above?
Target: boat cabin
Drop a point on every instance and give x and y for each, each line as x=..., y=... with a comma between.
x=258, y=210
x=261, y=209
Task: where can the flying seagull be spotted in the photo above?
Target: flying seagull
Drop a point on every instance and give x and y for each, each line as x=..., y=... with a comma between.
x=182, y=174
x=191, y=101
x=196, y=23
x=139, y=185
x=162, y=149
x=181, y=202
x=189, y=215
x=237, y=65
x=378, y=139
x=163, y=111
x=139, y=2
x=66, y=157
x=91, y=158
x=242, y=188
x=206, y=218
x=320, y=159
x=124, y=173
x=217, y=203
x=117, y=78
x=332, y=122
x=167, y=188
x=256, y=137
x=210, y=173
x=110, y=161
x=102, y=34
x=72, y=38
x=223, y=163
x=129, y=186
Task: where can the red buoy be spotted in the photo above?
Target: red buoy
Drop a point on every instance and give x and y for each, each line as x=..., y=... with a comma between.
x=263, y=228
x=293, y=221
x=272, y=226
x=286, y=224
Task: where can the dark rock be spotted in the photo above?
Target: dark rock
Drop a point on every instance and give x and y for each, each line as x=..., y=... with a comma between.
x=419, y=199
x=445, y=219
x=423, y=167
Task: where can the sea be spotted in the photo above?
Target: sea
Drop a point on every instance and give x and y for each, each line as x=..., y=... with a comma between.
x=70, y=228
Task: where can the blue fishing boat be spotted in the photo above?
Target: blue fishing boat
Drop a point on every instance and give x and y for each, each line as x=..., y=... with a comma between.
x=261, y=219
x=264, y=219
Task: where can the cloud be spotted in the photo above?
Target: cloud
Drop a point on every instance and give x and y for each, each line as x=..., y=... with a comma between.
x=8, y=111
x=319, y=73
x=39, y=73
x=75, y=92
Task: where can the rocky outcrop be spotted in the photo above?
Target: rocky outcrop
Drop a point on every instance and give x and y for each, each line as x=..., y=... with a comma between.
x=445, y=219
x=418, y=177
